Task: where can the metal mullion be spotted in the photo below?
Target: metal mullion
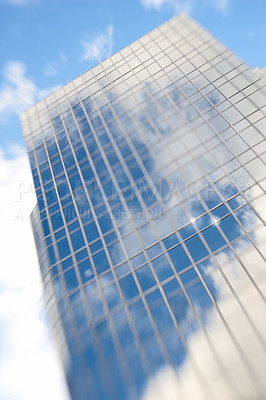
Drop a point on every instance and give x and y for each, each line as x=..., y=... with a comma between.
x=251, y=281
x=231, y=126
x=87, y=245
x=115, y=227
x=240, y=224
x=151, y=183
x=204, y=43
x=243, y=356
x=144, y=360
x=190, y=303
x=188, y=253
x=184, y=118
x=166, y=302
x=63, y=216
x=229, y=244
x=180, y=282
x=211, y=297
x=143, y=357
x=109, y=169
x=140, y=290
x=249, y=237
x=84, y=237
x=227, y=98
x=194, y=234
x=261, y=87
x=54, y=241
x=135, y=334
x=121, y=159
x=235, y=156
x=140, y=165
x=241, y=192
x=156, y=331
x=228, y=169
x=232, y=212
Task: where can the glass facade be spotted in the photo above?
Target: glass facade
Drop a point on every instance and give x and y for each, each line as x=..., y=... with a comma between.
x=149, y=172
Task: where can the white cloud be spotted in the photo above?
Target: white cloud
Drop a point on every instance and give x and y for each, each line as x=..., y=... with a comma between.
x=222, y=5
x=51, y=69
x=154, y=3
x=177, y=5
x=170, y=384
x=18, y=91
x=186, y=5
x=63, y=57
x=100, y=47
x=29, y=357
x=19, y=2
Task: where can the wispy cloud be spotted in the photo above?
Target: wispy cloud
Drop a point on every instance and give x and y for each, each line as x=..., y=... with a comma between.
x=51, y=69
x=222, y=5
x=187, y=5
x=100, y=47
x=177, y=5
x=17, y=91
x=19, y=2
x=153, y=3
x=63, y=57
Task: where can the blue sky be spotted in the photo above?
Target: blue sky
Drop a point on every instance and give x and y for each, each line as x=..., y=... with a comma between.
x=45, y=44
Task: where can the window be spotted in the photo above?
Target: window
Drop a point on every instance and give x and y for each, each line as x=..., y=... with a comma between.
x=129, y=287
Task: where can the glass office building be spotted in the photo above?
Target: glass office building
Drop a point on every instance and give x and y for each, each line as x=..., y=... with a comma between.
x=149, y=172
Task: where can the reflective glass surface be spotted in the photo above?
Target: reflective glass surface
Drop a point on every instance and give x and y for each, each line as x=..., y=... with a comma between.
x=150, y=178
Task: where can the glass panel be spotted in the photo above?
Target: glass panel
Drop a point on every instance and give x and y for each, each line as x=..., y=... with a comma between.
x=128, y=287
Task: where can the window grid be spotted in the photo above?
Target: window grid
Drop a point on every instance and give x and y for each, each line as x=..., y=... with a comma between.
x=150, y=135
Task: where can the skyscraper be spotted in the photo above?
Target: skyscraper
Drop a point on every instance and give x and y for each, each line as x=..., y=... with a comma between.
x=149, y=172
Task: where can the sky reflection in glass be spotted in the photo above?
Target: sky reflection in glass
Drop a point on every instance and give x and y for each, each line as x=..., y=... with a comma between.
x=161, y=215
